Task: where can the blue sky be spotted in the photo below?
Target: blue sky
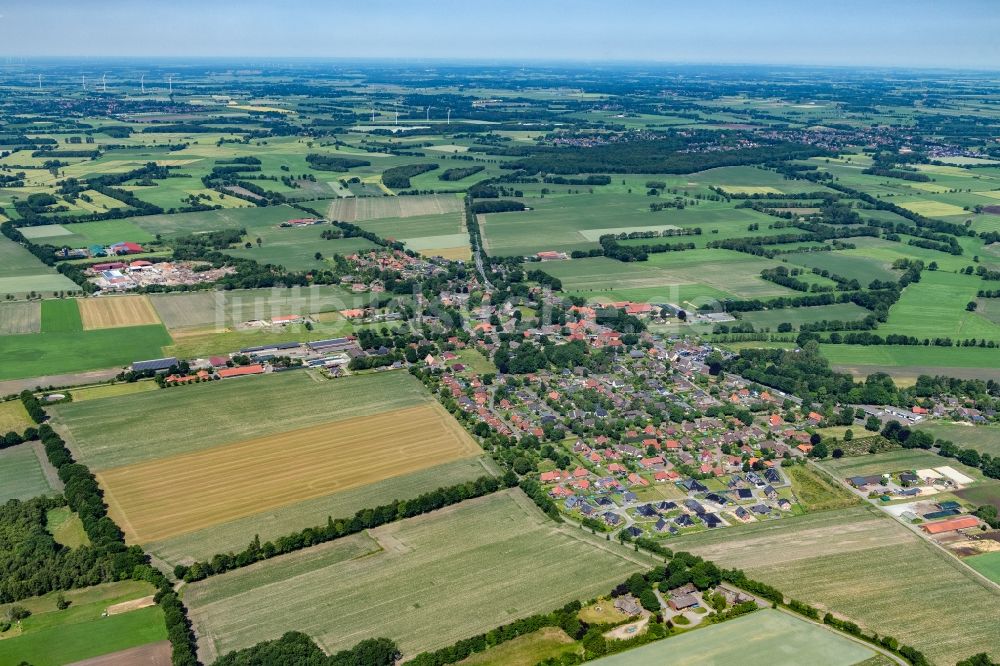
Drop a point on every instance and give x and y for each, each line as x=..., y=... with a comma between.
x=900, y=33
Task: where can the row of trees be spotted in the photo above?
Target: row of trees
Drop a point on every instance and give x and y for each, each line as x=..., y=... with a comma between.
x=336, y=528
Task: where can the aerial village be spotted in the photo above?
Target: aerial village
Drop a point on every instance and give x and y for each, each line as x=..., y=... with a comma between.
x=611, y=458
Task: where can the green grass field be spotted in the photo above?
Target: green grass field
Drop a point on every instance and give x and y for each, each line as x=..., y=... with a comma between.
x=895, y=461
x=21, y=474
x=22, y=273
x=525, y=650
x=798, y=316
x=233, y=535
x=987, y=564
x=52, y=637
x=13, y=416
x=226, y=218
x=436, y=578
x=919, y=359
x=935, y=307
x=864, y=269
x=104, y=232
x=816, y=492
x=296, y=248
x=765, y=638
x=66, y=527
x=116, y=431
x=864, y=565
x=61, y=316
x=722, y=271
x=55, y=353
x=985, y=439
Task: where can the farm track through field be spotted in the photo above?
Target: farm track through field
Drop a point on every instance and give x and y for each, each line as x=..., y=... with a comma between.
x=163, y=498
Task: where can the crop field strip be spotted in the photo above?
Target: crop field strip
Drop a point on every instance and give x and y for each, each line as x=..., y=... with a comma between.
x=160, y=499
x=20, y=318
x=766, y=637
x=116, y=432
x=116, y=312
x=21, y=475
x=467, y=569
x=353, y=209
x=279, y=521
x=866, y=566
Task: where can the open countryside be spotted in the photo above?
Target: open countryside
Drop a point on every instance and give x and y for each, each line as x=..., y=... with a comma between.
x=339, y=337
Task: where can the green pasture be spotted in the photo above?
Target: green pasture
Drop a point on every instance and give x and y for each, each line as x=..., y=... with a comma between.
x=39, y=354
x=21, y=474
x=807, y=315
x=296, y=248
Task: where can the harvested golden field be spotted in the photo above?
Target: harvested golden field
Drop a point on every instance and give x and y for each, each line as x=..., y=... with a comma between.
x=163, y=498
x=116, y=312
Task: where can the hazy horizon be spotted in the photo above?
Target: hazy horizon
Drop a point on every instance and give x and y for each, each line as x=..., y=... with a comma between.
x=916, y=34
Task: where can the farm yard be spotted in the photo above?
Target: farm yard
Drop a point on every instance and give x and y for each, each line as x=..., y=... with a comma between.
x=163, y=498
x=468, y=568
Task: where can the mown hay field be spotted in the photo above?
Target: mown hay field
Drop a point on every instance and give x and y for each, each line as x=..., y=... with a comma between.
x=159, y=499
x=21, y=474
x=117, y=431
x=353, y=209
x=438, y=578
x=278, y=521
x=20, y=317
x=13, y=416
x=116, y=311
x=864, y=565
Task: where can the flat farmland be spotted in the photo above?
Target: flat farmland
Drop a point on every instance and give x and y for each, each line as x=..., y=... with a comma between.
x=355, y=209
x=278, y=521
x=433, y=580
x=935, y=307
x=21, y=474
x=864, y=565
x=895, y=461
x=22, y=273
x=767, y=637
x=721, y=270
x=864, y=269
x=575, y=222
x=915, y=360
x=797, y=316
x=116, y=311
x=116, y=431
x=61, y=316
x=296, y=248
x=221, y=309
x=159, y=499
x=13, y=416
x=20, y=318
x=45, y=353
x=985, y=439
x=213, y=220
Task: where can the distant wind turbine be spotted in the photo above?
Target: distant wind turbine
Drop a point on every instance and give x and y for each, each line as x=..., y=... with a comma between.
x=142, y=84
x=104, y=83
x=449, y=116
x=39, y=81
x=170, y=84
x=84, y=81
